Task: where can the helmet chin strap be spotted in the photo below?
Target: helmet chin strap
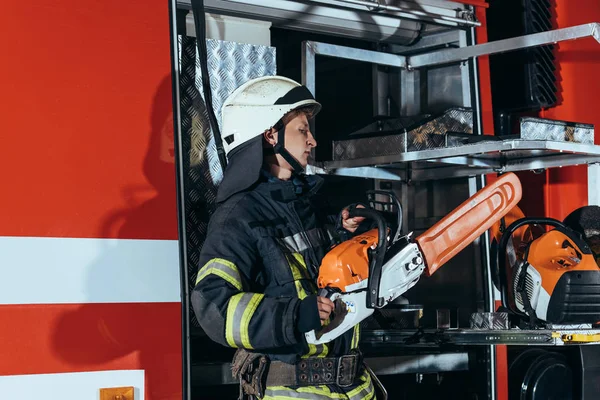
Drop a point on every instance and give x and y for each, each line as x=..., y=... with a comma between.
x=279, y=148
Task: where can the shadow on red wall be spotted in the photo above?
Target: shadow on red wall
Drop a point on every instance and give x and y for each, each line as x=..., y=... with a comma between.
x=132, y=335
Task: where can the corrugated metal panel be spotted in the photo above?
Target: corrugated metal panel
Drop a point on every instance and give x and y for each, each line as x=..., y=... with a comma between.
x=230, y=65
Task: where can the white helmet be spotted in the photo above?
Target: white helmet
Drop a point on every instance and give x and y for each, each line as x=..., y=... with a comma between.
x=251, y=109
x=258, y=105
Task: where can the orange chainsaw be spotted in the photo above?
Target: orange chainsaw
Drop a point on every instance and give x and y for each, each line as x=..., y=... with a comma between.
x=551, y=275
x=369, y=271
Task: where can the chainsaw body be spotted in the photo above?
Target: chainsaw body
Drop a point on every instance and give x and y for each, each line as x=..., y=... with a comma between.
x=406, y=266
x=553, y=277
x=370, y=270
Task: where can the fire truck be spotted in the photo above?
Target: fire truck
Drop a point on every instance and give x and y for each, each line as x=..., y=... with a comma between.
x=110, y=170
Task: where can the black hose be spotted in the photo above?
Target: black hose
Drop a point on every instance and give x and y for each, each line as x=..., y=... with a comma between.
x=200, y=25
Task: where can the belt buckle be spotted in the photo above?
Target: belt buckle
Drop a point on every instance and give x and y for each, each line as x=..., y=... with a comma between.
x=353, y=362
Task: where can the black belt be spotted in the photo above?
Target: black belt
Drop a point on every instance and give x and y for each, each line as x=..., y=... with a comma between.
x=341, y=371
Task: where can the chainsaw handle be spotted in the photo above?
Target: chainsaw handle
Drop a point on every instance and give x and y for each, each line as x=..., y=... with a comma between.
x=349, y=311
x=375, y=216
x=378, y=254
x=394, y=202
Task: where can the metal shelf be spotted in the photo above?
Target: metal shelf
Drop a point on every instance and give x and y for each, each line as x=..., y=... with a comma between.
x=472, y=337
x=494, y=156
x=397, y=359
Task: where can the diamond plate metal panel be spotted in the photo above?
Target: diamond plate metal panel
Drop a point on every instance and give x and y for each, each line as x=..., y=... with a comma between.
x=230, y=65
x=369, y=147
x=453, y=120
x=385, y=138
x=544, y=129
x=489, y=320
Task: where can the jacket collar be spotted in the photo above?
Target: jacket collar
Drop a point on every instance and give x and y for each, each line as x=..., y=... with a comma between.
x=299, y=186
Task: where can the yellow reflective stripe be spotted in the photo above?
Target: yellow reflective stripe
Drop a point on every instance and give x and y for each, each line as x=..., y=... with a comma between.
x=302, y=271
x=230, y=322
x=223, y=269
x=318, y=350
x=247, y=316
x=227, y=277
x=355, y=337
x=364, y=391
x=240, y=310
x=300, y=290
x=284, y=393
x=325, y=351
x=279, y=397
x=296, y=272
x=308, y=393
x=312, y=350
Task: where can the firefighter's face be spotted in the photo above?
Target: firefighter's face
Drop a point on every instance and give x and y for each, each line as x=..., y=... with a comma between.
x=299, y=140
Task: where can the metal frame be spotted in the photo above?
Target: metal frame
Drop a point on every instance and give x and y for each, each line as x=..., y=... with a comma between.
x=482, y=250
x=437, y=58
x=449, y=56
x=431, y=40
x=493, y=156
x=183, y=264
x=299, y=15
x=473, y=337
x=410, y=10
x=335, y=21
x=311, y=49
x=594, y=184
x=500, y=46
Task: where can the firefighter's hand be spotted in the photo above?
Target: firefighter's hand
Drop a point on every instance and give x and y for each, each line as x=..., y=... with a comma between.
x=325, y=307
x=350, y=224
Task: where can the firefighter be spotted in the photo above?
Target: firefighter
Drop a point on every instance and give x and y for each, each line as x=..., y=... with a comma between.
x=256, y=286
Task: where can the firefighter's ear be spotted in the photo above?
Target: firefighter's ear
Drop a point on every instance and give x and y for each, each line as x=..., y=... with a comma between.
x=270, y=136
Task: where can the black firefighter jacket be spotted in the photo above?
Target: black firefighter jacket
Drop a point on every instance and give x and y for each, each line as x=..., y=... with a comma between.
x=260, y=259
